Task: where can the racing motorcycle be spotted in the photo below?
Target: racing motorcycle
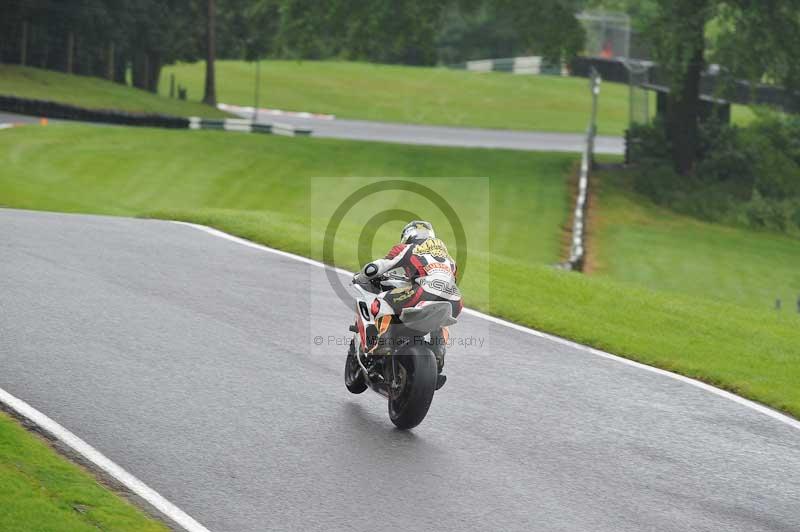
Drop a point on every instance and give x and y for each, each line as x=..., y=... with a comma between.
x=398, y=364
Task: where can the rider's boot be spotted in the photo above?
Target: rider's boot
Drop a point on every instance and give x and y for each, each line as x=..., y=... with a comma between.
x=439, y=346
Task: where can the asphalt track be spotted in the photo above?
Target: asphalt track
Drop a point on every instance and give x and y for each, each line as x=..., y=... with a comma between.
x=190, y=361
x=13, y=118
x=448, y=136
x=427, y=135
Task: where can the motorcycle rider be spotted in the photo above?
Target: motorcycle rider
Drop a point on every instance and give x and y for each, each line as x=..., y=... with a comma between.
x=430, y=275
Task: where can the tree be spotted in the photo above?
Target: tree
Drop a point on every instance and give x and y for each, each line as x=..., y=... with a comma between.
x=210, y=94
x=547, y=27
x=754, y=40
x=410, y=31
x=678, y=35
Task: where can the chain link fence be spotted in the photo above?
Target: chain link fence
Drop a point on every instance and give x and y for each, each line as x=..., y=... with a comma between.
x=639, y=97
x=608, y=34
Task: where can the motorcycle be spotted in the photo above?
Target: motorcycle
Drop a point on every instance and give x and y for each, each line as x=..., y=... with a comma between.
x=402, y=366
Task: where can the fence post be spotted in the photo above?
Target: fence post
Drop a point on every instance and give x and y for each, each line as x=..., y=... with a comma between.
x=257, y=91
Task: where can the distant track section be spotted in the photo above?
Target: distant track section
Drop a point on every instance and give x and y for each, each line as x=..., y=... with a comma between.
x=448, y=136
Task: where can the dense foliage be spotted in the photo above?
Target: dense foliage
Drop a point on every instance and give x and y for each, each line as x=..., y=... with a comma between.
x=744, y=176
x=110, y=38
x=99, y=37
x=756, y=41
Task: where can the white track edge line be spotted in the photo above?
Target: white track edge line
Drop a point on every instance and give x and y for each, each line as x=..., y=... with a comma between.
x=774, y=414
x=26, y=411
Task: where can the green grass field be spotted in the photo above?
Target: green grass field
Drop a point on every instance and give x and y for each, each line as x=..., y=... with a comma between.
x=263, y=188
x=42, y=492
x=94, y=93
x=636, y=241
x=414, y=94
x=354, y=90
x=87, y=169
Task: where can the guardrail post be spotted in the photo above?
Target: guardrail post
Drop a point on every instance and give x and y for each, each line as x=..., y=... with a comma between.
x=595, y=84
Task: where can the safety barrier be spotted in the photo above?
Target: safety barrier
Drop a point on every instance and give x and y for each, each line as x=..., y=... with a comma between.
x=577, y=251
x=62, y=111
x=532, y=65
x=244, y=125
x=44, y=108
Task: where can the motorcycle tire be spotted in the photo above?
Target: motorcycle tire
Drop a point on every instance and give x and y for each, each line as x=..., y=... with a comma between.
x=353, y=376
x=411, y=406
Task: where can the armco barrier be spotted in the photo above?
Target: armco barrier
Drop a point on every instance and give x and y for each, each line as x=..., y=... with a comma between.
x=577, y=251
x=532, y=65
x=62, y=111
x=712, y=85
x=245, y=125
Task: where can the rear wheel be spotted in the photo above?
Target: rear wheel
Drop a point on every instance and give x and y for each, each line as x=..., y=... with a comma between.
x=417, y=368
x=353, y=376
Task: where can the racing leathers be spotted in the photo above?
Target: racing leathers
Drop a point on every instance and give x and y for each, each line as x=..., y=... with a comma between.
x=429, y=274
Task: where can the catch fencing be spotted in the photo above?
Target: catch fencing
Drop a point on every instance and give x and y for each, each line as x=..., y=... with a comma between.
x=577, y=250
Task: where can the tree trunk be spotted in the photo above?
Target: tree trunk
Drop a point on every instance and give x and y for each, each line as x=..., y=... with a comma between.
x=121, y=70
x=210, y=95
x=154, y=74
x=23, y=45
x=683, y=112
x=145, y=71
x=70, y=52
x=45, y=54
x=138, y=76
x=687, y=22
x=110, y=62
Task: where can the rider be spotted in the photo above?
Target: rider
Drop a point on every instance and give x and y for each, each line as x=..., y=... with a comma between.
x=430, y=273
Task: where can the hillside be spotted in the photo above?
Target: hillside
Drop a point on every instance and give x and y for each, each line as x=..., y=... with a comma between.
x=415, y=95
x=94, y=93
x=637, y=242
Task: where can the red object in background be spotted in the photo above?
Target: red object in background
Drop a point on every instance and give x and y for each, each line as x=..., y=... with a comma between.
x=608, y=50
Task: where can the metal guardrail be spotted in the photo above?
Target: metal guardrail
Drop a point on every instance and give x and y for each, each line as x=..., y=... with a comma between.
x=712, y=84
x=533, y=65
x=577, y=252
x=245, y=125
x=63, y=111
x=48, y=109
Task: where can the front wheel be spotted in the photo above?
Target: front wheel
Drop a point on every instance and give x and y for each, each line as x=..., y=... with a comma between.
x=417, y=368
x=353, y=376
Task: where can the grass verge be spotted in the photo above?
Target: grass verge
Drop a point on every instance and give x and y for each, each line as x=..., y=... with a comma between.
x=417, y=95
x=638, y=242
x=42, y=492
x=93, y=93
x=420, y=95
x=258, y=188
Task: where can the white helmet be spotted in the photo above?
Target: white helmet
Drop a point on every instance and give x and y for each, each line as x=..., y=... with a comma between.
x=416, y=230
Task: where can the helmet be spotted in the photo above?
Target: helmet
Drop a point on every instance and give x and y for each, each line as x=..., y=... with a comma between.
x=416, y=230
